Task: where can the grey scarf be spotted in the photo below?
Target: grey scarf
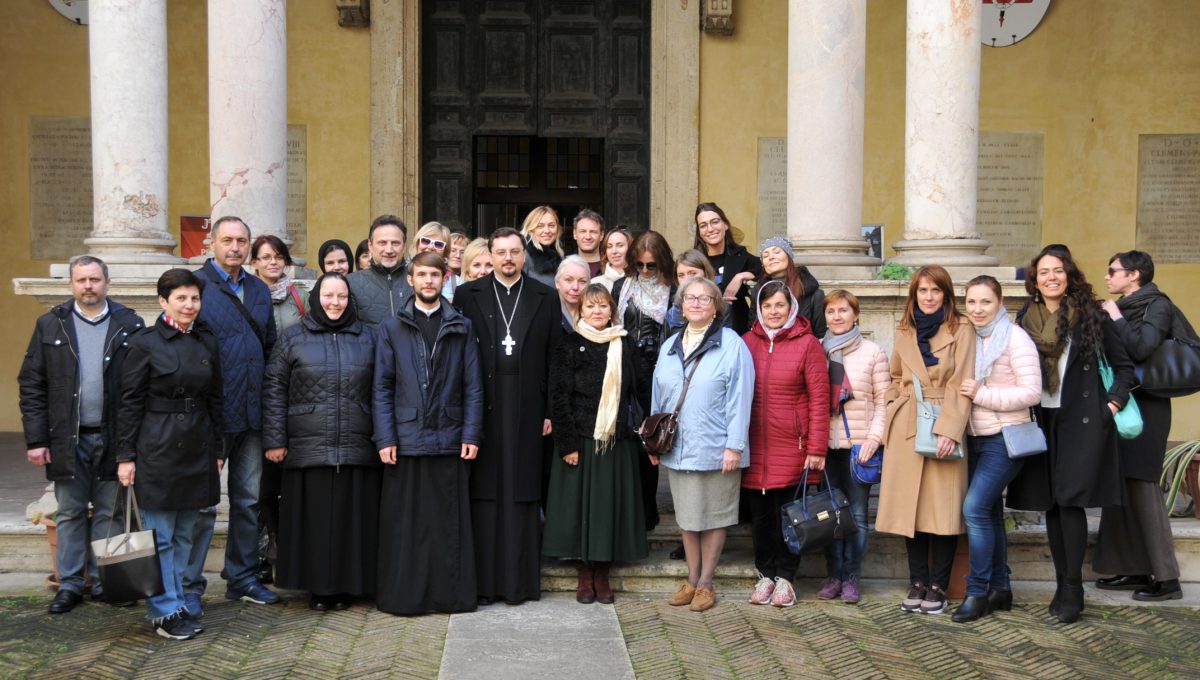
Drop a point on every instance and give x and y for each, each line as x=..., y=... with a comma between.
x=837, y=345
x=999, y=329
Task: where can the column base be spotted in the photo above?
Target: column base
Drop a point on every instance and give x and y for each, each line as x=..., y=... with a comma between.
x=948, y=252
x=133, y=249
x=833, y=253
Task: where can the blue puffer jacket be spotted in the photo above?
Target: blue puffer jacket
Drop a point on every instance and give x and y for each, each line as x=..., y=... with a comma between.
x=426, y=412
x=716, y=413
x=243, y=355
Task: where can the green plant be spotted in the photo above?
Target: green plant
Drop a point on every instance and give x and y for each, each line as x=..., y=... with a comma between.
x=1175, y=465
x=894, y=271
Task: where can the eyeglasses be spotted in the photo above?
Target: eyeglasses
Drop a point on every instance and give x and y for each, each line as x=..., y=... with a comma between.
x=714, y=223
x=698, y=299
x=1112, y=271
x=648, y=266
x=271, y=258
x=435, y=243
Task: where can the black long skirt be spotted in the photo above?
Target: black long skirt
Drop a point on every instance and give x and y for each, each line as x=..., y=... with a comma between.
x=329, y=530
x=426, y=549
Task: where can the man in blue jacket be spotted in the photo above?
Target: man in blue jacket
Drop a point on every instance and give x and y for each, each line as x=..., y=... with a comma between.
x=237, y=307
x=70, y=385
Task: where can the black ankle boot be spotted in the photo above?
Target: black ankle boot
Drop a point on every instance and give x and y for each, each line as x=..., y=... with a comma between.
x=1000, y=600
x=1058, y=589
x=1070, y=606
x=972, y=608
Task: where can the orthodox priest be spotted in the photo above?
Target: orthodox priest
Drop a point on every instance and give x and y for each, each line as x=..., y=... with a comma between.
x=428, y=413
x=516, y=320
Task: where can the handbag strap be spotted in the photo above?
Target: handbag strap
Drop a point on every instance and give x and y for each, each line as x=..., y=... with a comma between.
x=803, y=483
x=845, y=423
x=131, y=510
x=686, y=381
x=296, y=298
x=917, y=387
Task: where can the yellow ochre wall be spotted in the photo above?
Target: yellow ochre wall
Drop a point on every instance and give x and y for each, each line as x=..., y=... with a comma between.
x=1091, y=77
x=44, y=61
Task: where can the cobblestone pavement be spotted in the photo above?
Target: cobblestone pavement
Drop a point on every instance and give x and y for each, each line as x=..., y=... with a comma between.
x=876, y=640
x=240, y=641
x=734, y=640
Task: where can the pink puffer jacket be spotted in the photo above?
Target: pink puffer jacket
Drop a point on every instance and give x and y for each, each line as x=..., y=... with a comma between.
x=870, y=377
x=1014, y=385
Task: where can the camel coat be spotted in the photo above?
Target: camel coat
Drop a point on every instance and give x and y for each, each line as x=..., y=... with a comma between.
x=919, y=493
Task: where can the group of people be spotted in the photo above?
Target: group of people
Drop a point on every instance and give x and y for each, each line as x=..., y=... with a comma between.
x=420, y=429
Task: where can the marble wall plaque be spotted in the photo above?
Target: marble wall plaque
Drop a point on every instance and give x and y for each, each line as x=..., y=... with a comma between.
x=1009, y=195
x=297, y=187
x=1168, y=206
x=772, y=187
x=60, y=186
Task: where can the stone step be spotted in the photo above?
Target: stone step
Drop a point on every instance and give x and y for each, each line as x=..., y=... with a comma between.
x=24, y=548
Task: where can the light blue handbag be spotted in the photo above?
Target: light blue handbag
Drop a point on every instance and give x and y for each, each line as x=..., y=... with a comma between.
x=927, y=415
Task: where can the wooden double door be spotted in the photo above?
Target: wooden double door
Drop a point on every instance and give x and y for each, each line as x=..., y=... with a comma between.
x=529, y=102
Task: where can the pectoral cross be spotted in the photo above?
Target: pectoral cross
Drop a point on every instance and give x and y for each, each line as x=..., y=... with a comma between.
x=508, y=343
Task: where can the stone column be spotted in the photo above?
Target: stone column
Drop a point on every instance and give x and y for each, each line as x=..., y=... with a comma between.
x=941, y=135
x=396, y=110
x=127, y=48
x=674, y=120
x=827, y=56
x=247, y=113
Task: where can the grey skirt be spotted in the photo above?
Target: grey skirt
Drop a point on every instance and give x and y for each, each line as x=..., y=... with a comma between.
x=705, y=500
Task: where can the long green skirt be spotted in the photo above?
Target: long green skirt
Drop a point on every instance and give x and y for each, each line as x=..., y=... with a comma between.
x=594, y=510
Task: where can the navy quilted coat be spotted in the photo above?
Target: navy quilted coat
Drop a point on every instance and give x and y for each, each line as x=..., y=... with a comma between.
x=243, y=356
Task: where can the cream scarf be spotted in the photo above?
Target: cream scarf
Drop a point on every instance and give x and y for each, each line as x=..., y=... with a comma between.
x=610, y=390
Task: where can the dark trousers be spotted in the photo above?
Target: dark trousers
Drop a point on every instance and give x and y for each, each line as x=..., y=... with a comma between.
x=771, y=556
x=923, y=569
x=844, y=557
x=990, y=471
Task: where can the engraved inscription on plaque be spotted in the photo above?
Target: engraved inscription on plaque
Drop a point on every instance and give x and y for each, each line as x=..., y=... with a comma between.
x=297, y=187
x=60, y=186
x=1009, y=195
x=1168, y=207
x=772, y=187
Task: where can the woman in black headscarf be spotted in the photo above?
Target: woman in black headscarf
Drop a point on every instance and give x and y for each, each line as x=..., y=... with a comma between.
x=335, y=256
x=317, y=423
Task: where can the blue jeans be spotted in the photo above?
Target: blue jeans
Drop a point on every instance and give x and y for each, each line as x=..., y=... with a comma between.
x=244, y=466
x=990, y=470
x=173, y=533
x=844, y=558
x=73, y=495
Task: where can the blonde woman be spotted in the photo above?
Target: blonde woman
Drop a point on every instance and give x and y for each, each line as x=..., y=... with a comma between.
x=542, y=232
x=476, y=261
x=431, y=237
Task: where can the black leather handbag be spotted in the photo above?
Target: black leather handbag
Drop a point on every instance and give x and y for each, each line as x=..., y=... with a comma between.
x=1172, y=371
x=128, y=562
x=816, y=519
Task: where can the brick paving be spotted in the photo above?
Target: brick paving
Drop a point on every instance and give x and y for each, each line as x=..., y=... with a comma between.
x=240, y=641
x=876, y=640
x=734, y=640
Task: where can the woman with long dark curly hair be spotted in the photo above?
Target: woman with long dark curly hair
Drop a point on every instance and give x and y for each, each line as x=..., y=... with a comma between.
x=1082, y=467
x=735, y=266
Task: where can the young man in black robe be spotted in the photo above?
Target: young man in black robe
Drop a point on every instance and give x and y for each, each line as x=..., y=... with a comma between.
x=516, y=319
x=428, y=416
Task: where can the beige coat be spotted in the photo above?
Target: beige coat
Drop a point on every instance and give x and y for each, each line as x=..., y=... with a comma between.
x=919, y=493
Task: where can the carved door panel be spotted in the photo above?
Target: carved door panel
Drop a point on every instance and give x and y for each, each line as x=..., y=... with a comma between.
x=551, y=69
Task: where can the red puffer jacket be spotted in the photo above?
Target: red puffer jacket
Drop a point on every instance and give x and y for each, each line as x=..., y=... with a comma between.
x=790, y=416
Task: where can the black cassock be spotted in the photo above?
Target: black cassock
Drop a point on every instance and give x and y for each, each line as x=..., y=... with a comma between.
x=506, y=479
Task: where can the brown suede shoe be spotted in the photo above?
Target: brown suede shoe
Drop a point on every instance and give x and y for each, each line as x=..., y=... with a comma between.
x=683, y=595
x=704, y=600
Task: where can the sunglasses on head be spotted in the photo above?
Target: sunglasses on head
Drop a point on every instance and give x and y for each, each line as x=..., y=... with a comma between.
x=434, y=243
